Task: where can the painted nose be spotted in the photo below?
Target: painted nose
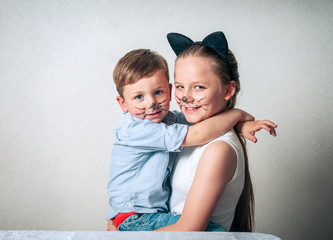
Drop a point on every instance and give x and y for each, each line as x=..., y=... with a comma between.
x=152, y=103
x=187, y=97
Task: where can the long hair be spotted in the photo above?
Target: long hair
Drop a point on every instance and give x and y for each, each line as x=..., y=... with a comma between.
x=244, y=214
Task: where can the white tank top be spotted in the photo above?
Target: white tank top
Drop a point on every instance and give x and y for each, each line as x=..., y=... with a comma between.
x=184, y=172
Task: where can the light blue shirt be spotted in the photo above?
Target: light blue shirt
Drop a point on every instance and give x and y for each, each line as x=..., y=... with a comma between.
x=140, y=164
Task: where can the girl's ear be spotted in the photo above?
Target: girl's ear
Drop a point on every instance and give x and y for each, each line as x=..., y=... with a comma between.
x=230, y=90
x=122, y=104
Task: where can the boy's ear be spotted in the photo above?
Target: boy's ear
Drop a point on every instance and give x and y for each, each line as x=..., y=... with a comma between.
x=122, y=104
x=170, y=87
x=230, y=90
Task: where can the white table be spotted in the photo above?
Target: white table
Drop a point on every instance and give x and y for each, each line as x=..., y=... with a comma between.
x=104, y=235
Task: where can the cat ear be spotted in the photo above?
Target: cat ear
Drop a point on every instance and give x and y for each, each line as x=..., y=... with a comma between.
x=215, y=41
x=179, y=42
x=218, y=42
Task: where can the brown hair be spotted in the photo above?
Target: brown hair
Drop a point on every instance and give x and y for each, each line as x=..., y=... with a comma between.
x=244, y=214
x=137, y=64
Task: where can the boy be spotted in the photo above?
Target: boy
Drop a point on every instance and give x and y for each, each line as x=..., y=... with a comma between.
x=140, y=164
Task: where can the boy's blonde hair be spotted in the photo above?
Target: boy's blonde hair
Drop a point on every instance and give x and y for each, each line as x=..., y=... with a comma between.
x=136, y=65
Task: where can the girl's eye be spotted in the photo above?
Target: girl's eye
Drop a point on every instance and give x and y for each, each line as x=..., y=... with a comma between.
x=179, y=86
x=198, y=87
x=139, y=97
x=158, y=92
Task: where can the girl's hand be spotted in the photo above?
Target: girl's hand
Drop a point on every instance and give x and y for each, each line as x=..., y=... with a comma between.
x=249, y=128
x=111, y=226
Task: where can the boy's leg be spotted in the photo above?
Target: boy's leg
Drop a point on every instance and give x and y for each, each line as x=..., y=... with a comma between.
x=214, y=227
x=148, y=221
x=153, y=221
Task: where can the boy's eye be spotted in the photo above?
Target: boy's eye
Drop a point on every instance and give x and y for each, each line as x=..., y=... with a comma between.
x=179, y=86
x=158, y=92
x=139, y=97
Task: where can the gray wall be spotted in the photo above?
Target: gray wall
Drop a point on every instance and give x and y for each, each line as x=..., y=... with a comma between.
x=58, y=108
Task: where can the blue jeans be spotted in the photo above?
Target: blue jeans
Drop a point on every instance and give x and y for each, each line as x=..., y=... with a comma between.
x=153, y=221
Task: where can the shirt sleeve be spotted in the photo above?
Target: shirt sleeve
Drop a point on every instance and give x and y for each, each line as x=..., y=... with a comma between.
x=180, y=118
x=150, y=136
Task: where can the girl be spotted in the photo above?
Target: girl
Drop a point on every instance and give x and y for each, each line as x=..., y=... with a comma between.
x=210, y=182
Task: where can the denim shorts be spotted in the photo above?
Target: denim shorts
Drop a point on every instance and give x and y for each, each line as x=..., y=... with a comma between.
x=153, y=221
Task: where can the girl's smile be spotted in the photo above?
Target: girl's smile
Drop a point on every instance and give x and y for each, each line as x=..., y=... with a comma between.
x=202, y=90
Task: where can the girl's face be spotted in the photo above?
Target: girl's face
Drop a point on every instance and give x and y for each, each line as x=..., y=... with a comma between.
x=199, y=92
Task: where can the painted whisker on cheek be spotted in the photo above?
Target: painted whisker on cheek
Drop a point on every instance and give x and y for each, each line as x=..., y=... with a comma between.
x=140, y=114
x=180, y=105
x=160, y=105
x=200, y=99
x=196, y=104
x=150, y=110
x=161, y=102
x=179, y=102
x=203, y=107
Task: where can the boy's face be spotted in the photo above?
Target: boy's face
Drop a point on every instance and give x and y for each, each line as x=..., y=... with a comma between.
x=148, y=98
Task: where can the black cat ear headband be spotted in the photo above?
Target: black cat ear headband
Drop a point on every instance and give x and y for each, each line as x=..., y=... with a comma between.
x=216, y=41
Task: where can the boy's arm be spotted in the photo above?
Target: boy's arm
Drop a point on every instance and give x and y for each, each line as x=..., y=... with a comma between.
x=215, y=126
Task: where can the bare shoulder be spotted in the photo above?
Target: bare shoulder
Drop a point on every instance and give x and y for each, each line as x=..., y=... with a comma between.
x=221, y=150
x=219, y=157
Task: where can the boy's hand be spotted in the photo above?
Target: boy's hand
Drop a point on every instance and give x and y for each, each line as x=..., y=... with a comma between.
x=249, y=128
x=111, y=226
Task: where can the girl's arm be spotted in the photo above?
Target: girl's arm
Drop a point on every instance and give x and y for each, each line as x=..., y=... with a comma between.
x=215, y=169
x=215, y=126
x=111, y=226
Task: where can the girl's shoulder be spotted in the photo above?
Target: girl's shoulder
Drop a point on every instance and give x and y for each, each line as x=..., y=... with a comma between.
x=229, y=137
